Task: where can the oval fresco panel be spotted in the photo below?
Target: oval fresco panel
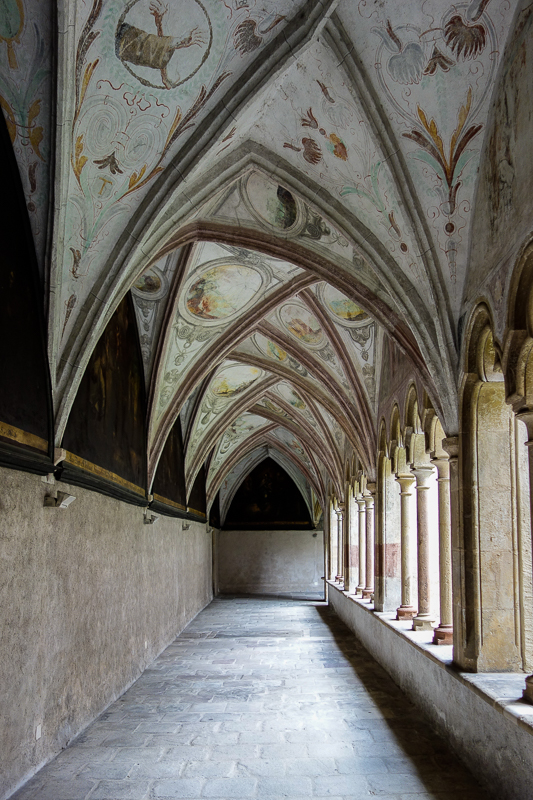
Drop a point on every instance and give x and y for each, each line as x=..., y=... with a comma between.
x=234, y=380
x=301, y=324
x=292, y=397
x=342, y=307
x=221, y=292
x=270, y=348
x=272, y=203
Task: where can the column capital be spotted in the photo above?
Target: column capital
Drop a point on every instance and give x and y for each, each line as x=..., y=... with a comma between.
x=361, y=503
x=406, y=483
x=451, y=445
x=422, y=473
x=369, y=500
x=527, y=418
x=442, y=463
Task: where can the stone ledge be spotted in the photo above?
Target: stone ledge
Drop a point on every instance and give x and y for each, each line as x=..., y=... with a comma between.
x=501, y=690
x=482, y=716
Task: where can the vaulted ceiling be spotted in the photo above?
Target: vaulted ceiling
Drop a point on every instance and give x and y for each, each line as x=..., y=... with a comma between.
x=282, y=185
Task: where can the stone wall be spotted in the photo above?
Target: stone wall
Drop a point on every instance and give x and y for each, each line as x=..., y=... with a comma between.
x=89, y=595
x=270, y=562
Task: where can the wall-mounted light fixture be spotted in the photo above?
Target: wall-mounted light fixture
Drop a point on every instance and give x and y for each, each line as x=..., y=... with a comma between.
x=62, y=500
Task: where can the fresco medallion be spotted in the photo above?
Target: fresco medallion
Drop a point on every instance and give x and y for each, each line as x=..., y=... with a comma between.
x=163, y=45
x=234, y=380
x=302, y=325
x=273, y=205
x=292, y=397
x=270, y=348
x=220, y=293
x=151, y=285
x=341, y=307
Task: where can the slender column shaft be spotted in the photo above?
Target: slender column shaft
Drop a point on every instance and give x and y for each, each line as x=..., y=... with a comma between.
x=527, y=419
x=444, y=633
x=332, y=544
x=362, y=544
x=406, y=609
x=351, y=530
x=340, y=546
x=369, y=545
x=423, y=619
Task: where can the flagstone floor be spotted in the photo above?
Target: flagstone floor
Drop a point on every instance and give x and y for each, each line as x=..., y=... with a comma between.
x=262, y=698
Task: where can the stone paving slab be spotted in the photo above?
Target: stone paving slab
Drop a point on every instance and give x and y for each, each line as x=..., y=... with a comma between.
x=261, y=698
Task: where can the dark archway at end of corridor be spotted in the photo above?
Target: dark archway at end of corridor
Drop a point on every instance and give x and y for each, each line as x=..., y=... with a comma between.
x=267, y=544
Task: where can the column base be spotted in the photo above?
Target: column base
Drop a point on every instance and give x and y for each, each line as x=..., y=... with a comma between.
x=359, y=591
x=367, y=594
x=423, y=622
x=339, y=578
x=406, y=612
x=443, y=635
x=527, y=694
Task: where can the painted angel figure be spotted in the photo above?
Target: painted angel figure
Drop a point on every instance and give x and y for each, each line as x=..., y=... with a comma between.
x=153, y=50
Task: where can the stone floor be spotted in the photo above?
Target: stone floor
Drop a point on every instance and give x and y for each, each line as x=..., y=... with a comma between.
x=259, y=698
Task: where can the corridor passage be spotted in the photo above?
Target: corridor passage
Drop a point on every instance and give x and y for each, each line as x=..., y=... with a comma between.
x=259, y=698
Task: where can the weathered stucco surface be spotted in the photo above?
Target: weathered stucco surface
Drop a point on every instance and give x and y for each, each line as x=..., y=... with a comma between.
x=270, y=562
x=504, y=202
x=89, y=596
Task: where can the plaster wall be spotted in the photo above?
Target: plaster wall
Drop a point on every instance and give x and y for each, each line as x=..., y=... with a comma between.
x=270, y=562
x=89, y=596
x=479, y=714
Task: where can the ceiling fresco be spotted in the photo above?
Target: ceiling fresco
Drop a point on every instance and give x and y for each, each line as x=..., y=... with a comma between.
x=285, y=187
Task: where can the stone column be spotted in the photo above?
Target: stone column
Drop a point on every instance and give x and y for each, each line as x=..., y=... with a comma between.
x=368, y=591
x=362, y=544
x=451, y=446
x=406, y=610
x=444, y=633
x=351, y=527
x=423, y=620
x=527, y=419
x=340, y=546
x=332, y=542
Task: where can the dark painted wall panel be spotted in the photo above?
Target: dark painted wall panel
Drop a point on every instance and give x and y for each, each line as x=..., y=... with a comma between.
x=169, y=481
x=25, y=398
x=107, y=424
x=197, y=499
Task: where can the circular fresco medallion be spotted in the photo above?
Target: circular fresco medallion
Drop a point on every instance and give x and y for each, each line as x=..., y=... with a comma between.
x=273, y=205
x=234, y=379
x=342, y=307
x=221, y=292
x=151, y=285
x=163, y=45
x=301, y=324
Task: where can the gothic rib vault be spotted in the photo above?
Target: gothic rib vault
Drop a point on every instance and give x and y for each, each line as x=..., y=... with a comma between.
x=282, y=186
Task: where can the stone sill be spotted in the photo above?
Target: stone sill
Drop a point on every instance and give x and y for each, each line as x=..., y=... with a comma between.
x=501, y=690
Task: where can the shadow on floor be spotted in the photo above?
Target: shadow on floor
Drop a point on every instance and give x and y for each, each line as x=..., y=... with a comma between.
x=429, y=754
